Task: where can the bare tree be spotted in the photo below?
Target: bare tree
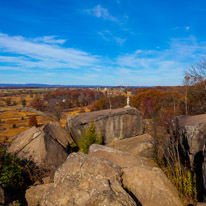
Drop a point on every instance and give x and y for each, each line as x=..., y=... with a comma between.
x=195, y=88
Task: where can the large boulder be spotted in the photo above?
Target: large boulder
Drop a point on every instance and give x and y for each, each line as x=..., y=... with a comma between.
x=77, y=183
x=192, y=134
x=141, y=177
x=112, y=124
x=44, y=146
x=142, y=145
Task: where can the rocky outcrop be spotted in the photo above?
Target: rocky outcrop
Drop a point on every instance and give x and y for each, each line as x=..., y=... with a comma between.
x=35, y=193
x=191, y=133
x=141, y=177
x=112, y=124
x=138, y=146
x=46, y=146
x=83, y=180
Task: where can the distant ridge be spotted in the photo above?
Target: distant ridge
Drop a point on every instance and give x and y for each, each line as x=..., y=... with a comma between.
x=2, y=85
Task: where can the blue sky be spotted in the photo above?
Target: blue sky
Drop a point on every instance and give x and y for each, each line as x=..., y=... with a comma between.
x=110, y=42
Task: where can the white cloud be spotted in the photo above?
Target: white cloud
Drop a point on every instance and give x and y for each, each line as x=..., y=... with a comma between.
x=141, y=67
x=50, y=40
x=101, y=12
x=29, y=53
x=163, y=66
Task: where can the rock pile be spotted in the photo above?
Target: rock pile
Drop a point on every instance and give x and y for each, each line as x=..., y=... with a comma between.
x=82, y=180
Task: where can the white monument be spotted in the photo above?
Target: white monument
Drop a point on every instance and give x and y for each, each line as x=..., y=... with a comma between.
x=127, y=103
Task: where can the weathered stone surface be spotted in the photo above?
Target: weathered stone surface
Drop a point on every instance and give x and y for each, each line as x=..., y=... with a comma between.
x=2, y=195
x=112, y=124
x=138, y=146
x=201, y=204
x=140, y=176
x=83, y=180
x=35, y=193
x=45, y=146
x=123, y=159
x=191, y=131
x=192, y=134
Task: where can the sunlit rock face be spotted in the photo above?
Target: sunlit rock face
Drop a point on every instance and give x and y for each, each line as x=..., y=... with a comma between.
x=47, y=146
x=112, y=124
x=82, y=180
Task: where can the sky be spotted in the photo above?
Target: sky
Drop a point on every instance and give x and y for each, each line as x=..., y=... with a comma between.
x=100, y=42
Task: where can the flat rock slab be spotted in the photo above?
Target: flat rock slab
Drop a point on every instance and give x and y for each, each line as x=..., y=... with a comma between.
x=138, y=146
x=112, y=124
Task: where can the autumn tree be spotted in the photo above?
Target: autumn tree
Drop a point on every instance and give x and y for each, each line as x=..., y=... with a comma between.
x=32, y=121
x=38, y=103
x=23, y=102
x=8, y=101
x=195, y=84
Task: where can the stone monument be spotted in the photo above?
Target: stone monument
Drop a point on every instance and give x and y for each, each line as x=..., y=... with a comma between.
x=127, y=103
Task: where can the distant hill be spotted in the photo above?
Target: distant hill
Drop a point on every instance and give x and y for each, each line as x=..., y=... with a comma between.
x=44, y=85
x=34, y=85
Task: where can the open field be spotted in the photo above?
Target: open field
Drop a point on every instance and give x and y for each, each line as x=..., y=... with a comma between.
x=14, y=116
x=14, y=121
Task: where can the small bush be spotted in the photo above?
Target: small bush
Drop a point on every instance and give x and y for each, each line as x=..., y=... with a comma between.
x=23, y=102
x=32, y=121
x=14, y=126
x=10, y=170
x=90, y=137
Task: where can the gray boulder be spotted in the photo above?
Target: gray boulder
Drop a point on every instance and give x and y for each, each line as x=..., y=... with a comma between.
x=83, y=180
x=141, y=177
x=112, y=124
x=192, y=134
x=45, y=146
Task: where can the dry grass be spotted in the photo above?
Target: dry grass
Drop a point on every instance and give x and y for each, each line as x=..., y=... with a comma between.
x=12, y=115
x=19, y=118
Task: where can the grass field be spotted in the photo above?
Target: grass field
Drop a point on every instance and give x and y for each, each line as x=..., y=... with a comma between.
x=14, y=121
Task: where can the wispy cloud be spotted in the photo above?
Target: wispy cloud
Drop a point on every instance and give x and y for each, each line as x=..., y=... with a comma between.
x=163, y=64
x=50, y=40
x=187, y=28
x=108, y=36
x=101, y=12
x=119, y=40
x=39, y=53
x=141, y=67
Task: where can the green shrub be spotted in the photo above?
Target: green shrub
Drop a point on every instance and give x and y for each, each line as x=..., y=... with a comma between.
x=10, y=170
x=90, y=137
